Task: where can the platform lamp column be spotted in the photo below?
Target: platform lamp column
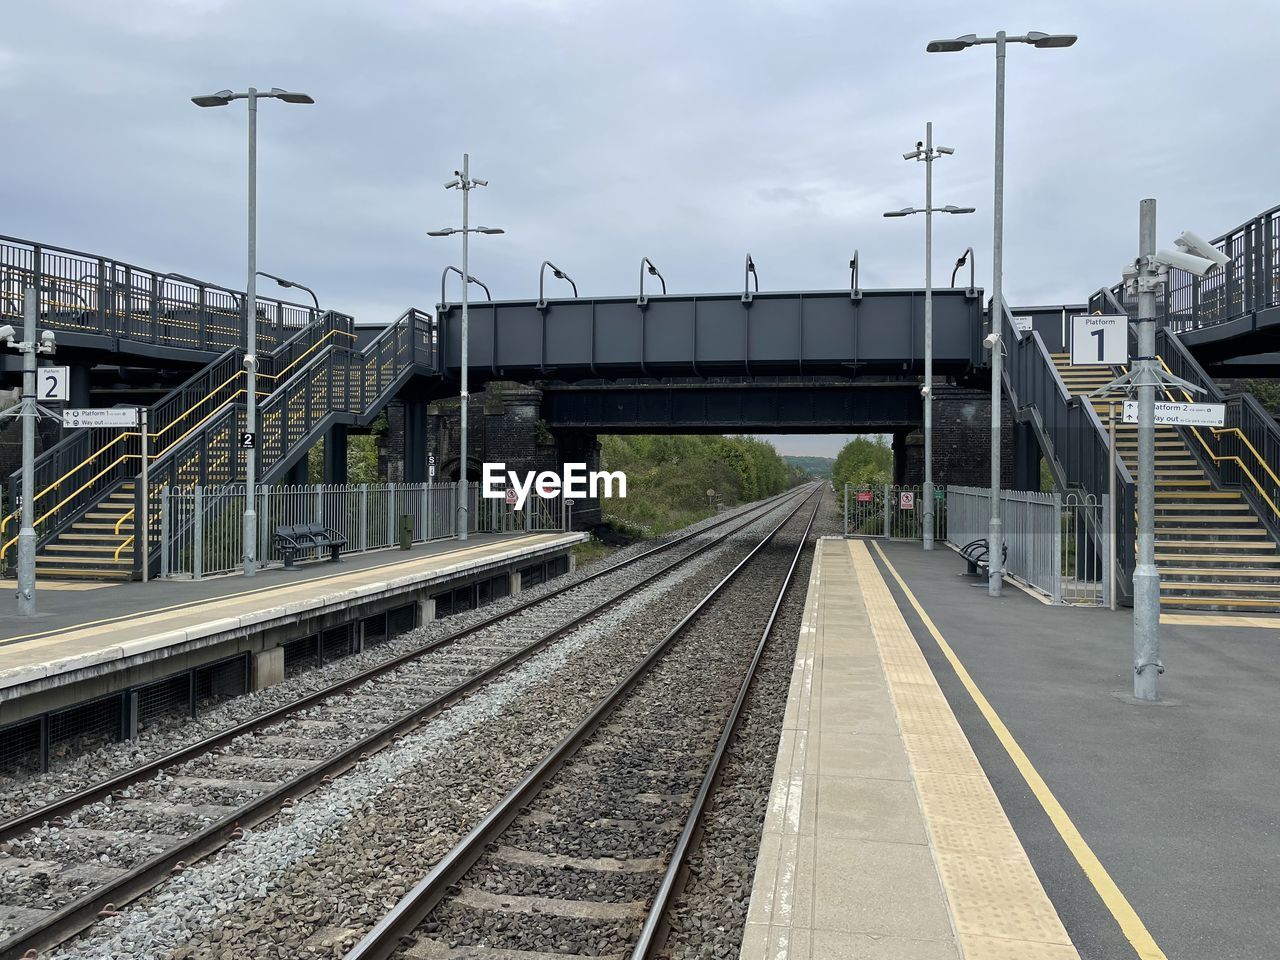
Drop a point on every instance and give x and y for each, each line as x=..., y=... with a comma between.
x=926, y=153
x=29, y=410
x=995, y=537
x=221, y=99
x=1146, y=576
x=462, y=180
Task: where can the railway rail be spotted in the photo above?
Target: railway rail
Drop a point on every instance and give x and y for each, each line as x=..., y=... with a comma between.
x=570, y=861
x=246, y=774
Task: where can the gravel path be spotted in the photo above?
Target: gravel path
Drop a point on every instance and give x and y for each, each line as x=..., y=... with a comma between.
x=315, y=878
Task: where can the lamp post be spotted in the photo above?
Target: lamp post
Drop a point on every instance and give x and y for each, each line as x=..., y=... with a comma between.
x=221, y=99
x=292, y=284
x=926, y=152
x=559, y=275
x=462, y=180
x=28, y=409
x=452, y=269
x=1001, y=39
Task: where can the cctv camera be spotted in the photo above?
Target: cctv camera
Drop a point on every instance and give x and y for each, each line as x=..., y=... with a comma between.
x=947, y=150
x=990, y=340
x=1199, y=248
x=7, y=332
x=250, y=361
x=47, y=336
x=924, y=390
x=1199, y=266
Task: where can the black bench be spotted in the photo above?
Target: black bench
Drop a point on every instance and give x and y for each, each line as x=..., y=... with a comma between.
x=294, y=538
x=975, y=554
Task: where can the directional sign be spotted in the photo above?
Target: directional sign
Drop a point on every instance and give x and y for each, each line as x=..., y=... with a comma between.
x=248, y=441
x=53, y=383
x=906, y=500
x=1181, y=414
x=1099, y=341
x=100, y=417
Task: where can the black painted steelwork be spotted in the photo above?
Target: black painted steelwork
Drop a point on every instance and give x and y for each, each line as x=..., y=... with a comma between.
x=793, y=334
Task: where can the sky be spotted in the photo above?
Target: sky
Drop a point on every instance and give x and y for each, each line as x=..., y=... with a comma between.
x=610, y=130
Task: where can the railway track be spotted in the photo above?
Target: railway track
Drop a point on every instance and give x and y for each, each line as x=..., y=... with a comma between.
x=85, y=856
x=585, y=856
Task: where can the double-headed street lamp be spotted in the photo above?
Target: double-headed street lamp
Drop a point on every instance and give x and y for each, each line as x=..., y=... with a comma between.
x=995, y=566
x=221, y=99
x=462, y=180
x=926, y=153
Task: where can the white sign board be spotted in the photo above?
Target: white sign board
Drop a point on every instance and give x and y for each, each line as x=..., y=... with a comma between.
x=100, y=417
x=1022, y=324
x=906, y=500
x=1099, y=341
x=1180, y=414
x=53, y=383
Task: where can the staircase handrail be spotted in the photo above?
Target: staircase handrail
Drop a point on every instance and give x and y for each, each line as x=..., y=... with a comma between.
x=1072, y=434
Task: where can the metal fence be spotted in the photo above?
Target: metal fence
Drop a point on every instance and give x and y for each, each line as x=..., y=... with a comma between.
x=201, y=528
x=1059, y=546
x=893, y=512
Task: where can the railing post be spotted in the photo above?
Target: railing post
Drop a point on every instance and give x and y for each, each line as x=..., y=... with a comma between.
x=391, y=513
x=197, y=529
x=319, y=500
x=846, y=510
x=431, y=509
x=886, y=511
x=364, y=516
x=1057, y=547
x=164, y=532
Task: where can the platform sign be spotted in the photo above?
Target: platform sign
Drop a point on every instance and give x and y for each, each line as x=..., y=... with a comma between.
x=75, y=417
x=431, y=466
x=248, y=440
x=864, y=496
x=53, y=383
x=1180, y=414
x=1099, y=341
x=906, y=500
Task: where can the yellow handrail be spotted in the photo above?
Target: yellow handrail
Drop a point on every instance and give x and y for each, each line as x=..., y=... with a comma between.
x=1221, y=458
x=120, y=548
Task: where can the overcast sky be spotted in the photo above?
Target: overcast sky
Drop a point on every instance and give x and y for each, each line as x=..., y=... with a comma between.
x=611, y=130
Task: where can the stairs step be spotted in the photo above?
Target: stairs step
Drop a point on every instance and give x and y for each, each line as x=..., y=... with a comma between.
x=1258, y=542
x=126, y=560
x=1262, y=576
x=1221, y=603
x=72, y=573
x=1186, y=588
x=85, y=549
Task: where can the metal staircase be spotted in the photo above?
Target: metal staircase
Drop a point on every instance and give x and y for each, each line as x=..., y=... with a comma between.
x=82, y=481
x=1212, y=549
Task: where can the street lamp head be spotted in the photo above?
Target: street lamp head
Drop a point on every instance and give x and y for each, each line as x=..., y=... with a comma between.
x=219, y=99
x=490, y=230
x=904, y=212
x=952, y=46
x=290, y=97
x=1047, y=41
x=949, y=208
x=446, y=232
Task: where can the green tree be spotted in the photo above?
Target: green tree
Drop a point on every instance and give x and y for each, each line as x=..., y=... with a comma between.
x=863, y=461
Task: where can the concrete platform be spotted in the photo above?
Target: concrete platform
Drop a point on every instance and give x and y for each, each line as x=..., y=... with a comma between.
x=884, y=837
x=133, y=632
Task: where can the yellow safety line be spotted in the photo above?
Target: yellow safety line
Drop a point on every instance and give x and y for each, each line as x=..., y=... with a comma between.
x=1135, y=931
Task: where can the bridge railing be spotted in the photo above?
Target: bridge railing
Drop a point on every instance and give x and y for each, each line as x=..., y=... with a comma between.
x=1071, y=433
x=88, y=294
x=1250, y=282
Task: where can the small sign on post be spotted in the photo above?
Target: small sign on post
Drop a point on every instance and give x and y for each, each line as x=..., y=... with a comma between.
x=906, y=500
x=248, y=440
x=1180, y=414
x=431, y=466
x=864, y=496
x=511, y=496
x=53, y=383
x=1099, y=341
x=76, y=417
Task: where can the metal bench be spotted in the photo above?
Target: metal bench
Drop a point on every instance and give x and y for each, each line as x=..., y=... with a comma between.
x=292, y=539
x=975, y=554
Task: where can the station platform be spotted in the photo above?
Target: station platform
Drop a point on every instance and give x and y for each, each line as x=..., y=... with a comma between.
x=961, y=776
x=93, y=639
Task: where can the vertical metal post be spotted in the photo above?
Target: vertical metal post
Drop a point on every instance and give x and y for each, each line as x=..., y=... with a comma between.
x=250, y=532
x=364, y=516
x=142, y=543
x=995, y=564
x=466, y=272
x=927, y=489
x=1056, y=563
x=197, y=539
x=1111, y=504
x=1146, y=578
x=165, y=568
x=29, y=413
x=424, y=502
x=846, y=510
x=431, y=509
x=391, y=514
x=886, y=511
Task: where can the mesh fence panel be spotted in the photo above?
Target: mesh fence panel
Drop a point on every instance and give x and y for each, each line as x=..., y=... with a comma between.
x=300, y=655
x=221, y=681
x=20, y=750
x=375, y=629
x=85, y=727
x=402, y=619
x=337, y=642
x=167, y=697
